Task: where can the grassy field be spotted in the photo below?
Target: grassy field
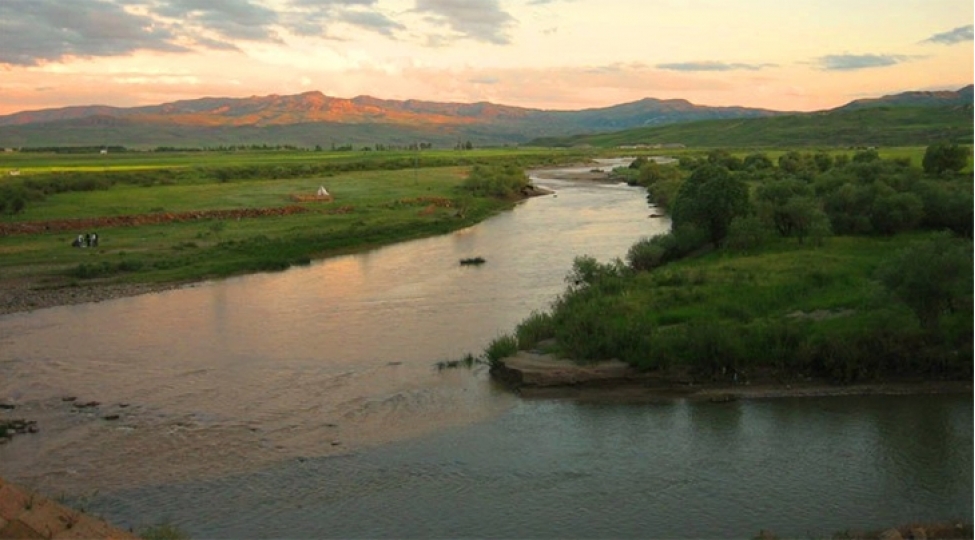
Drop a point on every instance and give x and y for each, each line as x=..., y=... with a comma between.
x=878, y=126
x=29, y=163
x=371, y=207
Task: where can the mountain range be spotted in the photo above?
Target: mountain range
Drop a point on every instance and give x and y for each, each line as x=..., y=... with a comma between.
x=312, y=118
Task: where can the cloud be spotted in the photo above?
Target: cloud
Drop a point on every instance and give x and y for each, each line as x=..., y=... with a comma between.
x=371, y=20
x=330, y=3
x=38, y=31
x=713, y=66
x=230, y=19
x=486, y=79
x=481, y=20
x=852, y=62
x=313, y=17
x=957, y=35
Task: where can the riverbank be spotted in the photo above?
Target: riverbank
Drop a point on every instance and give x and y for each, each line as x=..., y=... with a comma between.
x=19, y=295
x=536, y=375
x=25, y=514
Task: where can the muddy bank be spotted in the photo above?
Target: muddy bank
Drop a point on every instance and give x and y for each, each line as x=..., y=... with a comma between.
x=537, y=375
x=23, y=294
x=25, y=514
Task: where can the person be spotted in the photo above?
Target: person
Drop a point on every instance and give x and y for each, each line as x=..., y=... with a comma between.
x=78, y=242
x=87, y=239
x=94, y=239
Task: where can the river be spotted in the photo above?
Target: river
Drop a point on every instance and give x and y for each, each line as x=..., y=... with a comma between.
x=306, y=404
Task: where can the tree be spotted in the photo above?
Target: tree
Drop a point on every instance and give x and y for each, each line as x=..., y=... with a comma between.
x=943, y=157
x=824, y=161
x=931, y=277
x=710, y=198
x=725, y=159
x=893, y=212
x=651, y=172
x=807, y=218
x=773, y=197
x=757, y=162
x=796, y=163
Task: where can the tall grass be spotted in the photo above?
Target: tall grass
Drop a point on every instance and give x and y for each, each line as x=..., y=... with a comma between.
x=500, y=348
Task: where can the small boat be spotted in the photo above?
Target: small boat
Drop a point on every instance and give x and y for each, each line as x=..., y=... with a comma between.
x=472, y=261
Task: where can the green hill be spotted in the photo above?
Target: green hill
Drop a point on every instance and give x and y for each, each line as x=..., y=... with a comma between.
x=875, y=126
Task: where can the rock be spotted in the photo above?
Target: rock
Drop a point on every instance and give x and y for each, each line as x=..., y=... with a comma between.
x=7, y=406
x=110, y=417
x=69, y=398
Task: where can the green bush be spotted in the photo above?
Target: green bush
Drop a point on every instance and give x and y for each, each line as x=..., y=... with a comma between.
x=536, y=328
x=500, y=348
x=496, y=181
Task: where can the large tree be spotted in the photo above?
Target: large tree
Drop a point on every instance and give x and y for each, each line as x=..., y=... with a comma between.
x=943, y=157
x=710, y=198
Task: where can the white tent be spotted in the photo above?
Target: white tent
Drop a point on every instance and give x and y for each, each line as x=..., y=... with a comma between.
x=322, y=192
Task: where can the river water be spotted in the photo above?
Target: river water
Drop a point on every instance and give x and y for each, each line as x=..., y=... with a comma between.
x=306, y=404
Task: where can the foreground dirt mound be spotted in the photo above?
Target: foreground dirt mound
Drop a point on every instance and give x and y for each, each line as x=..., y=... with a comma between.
x=27, y=515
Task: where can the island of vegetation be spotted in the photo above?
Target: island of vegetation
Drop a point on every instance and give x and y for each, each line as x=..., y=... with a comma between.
x=806, y=269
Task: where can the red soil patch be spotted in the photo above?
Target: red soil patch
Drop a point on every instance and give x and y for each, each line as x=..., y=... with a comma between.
x=87, y=224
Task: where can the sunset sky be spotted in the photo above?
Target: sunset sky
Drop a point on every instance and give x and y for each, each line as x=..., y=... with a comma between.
x=550, y=54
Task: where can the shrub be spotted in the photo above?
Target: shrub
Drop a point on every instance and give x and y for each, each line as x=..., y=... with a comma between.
x=537, y=327
x=746, y=233
x=500, y=348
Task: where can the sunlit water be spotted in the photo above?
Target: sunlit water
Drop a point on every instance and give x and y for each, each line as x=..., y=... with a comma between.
x=306, y=403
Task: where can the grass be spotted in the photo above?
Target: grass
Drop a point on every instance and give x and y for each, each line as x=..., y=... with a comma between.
x=795, y=309
x=372, y=207
x=879, y=126
x=163, y=531
x=31, y=163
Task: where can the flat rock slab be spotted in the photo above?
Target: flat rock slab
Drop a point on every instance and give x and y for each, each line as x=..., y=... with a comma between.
x=528, y=369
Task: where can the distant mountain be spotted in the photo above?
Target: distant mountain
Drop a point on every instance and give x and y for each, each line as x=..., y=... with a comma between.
x=313, y=118
x=962, y=96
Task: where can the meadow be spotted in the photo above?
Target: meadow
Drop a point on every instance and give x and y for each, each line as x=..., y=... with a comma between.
x=378, y=198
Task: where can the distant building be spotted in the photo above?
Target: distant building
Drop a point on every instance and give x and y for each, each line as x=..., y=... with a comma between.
x=103, y=151
x=14, y=172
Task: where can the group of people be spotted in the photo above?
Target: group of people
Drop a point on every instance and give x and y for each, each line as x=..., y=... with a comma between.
x=86, y=240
